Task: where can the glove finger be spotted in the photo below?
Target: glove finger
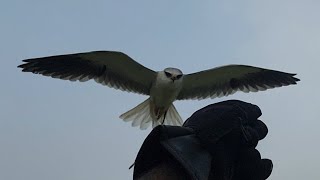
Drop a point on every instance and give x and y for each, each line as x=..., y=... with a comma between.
x=215, y=121
x=228, y=109
x=209, y=113
x=211, y=123
x=260, y=128
x=267, y=167
x=250, y=166
x=250, y=136
x=255, y=170
x=246, y=110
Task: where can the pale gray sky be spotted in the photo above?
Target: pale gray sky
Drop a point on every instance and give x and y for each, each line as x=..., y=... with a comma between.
x=52, y=129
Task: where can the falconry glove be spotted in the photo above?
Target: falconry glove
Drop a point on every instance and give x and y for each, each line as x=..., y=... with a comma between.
x=217, y=142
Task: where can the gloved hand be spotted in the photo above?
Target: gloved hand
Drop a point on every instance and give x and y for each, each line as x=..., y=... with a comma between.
x=217, y=142
x=230, y=131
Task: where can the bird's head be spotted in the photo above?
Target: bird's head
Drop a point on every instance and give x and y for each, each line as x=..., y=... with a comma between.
x=173, y=74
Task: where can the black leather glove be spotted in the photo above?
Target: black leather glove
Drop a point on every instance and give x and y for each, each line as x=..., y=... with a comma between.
x=216, y=142
x=230, y=131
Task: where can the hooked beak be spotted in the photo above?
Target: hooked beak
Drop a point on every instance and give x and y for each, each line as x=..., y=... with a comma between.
x=173, y=78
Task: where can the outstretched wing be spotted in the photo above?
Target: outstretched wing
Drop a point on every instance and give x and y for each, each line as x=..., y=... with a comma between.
x=114, y=69
x=226, y=80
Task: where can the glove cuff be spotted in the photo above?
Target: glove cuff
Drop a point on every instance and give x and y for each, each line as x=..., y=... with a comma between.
x=178, y=143
x=190, y=154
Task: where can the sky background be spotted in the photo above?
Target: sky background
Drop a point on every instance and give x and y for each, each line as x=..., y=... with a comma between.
x=52, y=129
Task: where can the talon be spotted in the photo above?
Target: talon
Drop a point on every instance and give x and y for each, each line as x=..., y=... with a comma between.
x=164, y=117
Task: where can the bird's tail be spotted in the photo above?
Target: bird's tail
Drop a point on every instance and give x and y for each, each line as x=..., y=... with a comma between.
x=172, y=118
x=141, y=115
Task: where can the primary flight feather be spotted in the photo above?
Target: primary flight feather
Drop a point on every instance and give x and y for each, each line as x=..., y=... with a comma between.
x=119, y=71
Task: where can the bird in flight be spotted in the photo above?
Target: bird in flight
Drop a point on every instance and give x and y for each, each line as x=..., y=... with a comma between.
x=119, y=71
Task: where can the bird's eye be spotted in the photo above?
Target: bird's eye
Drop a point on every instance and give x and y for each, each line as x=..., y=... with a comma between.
x=179, y=76
x=168, y=74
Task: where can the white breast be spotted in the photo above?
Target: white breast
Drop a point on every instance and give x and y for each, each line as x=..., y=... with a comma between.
x=164, y=91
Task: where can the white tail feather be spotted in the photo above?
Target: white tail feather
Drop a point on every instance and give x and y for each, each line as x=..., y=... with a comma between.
x=129, y=115
x=140, y=115
x=173, y=117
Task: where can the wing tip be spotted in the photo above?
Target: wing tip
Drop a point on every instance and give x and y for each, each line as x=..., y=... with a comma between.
x=24, y=67
x=26, y=64
x=295, y=78
x=20, y=66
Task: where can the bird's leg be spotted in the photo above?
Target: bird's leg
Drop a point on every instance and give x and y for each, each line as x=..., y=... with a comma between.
x=164, y=117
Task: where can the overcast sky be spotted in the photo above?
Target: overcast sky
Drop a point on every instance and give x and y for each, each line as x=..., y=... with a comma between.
x=59, y=130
